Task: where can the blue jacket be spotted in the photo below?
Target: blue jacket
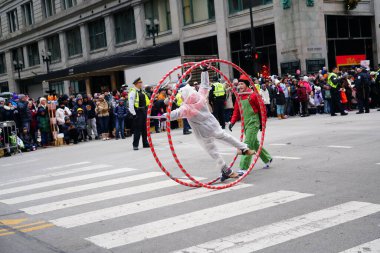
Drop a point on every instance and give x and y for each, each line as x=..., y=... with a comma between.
x=120, y=111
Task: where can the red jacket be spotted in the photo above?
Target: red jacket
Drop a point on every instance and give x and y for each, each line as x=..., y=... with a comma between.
x=253, y=100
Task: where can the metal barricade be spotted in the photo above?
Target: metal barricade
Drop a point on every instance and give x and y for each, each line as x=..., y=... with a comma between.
x=8, y=137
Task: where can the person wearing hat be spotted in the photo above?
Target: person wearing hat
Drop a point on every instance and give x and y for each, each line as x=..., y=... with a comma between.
x=102, y=110
x=120, y=113
x=362, y=86
x=61, y=113
x=138, y=103
x=43, y=121
x=205, y=126
x=217, y=100
x=252, y=123
x=69, y=131
x=334, y=82
x=80, y=124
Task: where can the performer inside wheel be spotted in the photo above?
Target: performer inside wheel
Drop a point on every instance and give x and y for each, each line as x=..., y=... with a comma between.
x=205, y=126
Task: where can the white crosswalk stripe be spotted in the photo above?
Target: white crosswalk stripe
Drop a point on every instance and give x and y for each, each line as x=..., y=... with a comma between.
x=273, y=234
x=68, y=213
x=371, y=247
x=96, y=185
x=64, y=180
x=139, y=206
x=193, y=219
x=58, y=205
x=56, y=174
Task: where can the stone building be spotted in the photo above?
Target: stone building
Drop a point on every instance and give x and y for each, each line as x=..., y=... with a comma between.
x=74, y=46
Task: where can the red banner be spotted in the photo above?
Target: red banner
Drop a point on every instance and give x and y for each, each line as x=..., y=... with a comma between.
x=349, y=60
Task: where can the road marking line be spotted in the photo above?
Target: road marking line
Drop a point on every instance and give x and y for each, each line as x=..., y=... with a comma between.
x=79, y=188
x=12, y=222
x=58, y=205
x=62, y=173
x=278, y=144
x=64, y=180
x=286, y=230
x=8, y=233
x=48, y=225
x=26, y=225
x=333, y=146
x=378, y=163
x=287, y=157
x=372, y=246
x=194, y=219
x=17, y=163
x=139, y=206
x=67, y=165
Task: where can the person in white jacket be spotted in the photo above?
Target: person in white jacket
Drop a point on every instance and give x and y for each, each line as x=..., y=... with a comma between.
x=206, y=127
x=264, y=92
x=60, y=114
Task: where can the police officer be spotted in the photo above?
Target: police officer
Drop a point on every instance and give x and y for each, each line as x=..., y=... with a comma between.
x=334, y=82
x=138, y=103
x=362, y=85
x=217, y=99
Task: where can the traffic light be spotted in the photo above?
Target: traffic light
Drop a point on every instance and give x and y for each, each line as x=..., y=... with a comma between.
x=257, y=55
x=248, y=51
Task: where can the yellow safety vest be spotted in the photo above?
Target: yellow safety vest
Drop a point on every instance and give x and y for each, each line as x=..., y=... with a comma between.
x=137, y=98
x=218, y=90
x=179, y=98
x=329, y=82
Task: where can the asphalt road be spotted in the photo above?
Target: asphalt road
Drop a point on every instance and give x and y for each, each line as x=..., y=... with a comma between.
x=321, y=194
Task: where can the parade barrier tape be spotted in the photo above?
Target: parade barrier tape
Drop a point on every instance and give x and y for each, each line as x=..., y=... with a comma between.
x=192, y=66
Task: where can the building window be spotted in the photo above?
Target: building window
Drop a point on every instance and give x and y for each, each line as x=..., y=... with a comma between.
x=18, y=56
x=97, y=32
x=74, y=42
x=160, y=10
x=57, y=87
x=77, y=87
x=27, y=12
x=265, y=44
x=48, y=7
x=53, y=46
x=239, y=5
x=33, y=54
x=125, y=26
x=3, y=67
x=68, y=3
x=197, y=10
x=12, y=21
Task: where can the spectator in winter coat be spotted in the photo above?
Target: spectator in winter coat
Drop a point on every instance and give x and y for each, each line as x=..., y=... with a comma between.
x=265, y=96
x=280, y=100
x=61, y=113
x=80, y=124
x=102, y=109
x=24, y=114
x=120, y=113
x=91, y=117
x=303, y=99
x=69, y=131
x=43, y=122
x=29, y=144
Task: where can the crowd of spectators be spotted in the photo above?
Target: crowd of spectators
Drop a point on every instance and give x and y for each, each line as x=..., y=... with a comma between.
x=105, y=116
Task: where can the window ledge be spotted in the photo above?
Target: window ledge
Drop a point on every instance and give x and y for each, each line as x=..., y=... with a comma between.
x=256, y=9
x=160, y=34
x=3, y=74
x=32, y=67
x=98, y=50
x=75, y=56
x=199, y=24
x=126, y=43
x=56, y=61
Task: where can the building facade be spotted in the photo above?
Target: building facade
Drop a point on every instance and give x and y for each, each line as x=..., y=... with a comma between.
x=73, y=46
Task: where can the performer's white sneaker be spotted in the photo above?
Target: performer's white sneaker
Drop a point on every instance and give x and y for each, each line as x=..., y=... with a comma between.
x=267, y=165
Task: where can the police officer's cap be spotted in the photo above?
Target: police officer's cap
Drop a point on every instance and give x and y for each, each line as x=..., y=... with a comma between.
x=137, y=80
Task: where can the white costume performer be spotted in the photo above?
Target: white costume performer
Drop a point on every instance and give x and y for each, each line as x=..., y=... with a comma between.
x=205, y=126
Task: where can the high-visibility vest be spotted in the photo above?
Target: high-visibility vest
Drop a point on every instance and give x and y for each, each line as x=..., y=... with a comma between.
x=178, y=97
x=137, y=98
x=219, y=90
x=329, y=82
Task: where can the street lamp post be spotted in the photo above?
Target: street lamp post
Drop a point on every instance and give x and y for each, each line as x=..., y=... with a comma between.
x=18, y=67
x=46, y=57
x=152, y=29
x=253, y=42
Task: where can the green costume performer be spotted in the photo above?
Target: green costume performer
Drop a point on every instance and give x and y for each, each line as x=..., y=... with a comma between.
x=252, y=122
